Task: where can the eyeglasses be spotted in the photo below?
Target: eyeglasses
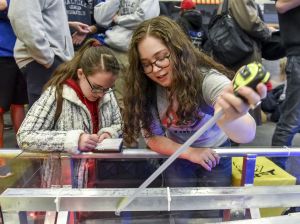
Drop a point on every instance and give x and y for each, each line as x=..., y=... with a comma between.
x=97, y=89
x=160, y=62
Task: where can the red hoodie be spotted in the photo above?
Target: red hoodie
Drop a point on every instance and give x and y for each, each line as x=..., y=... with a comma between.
x=91, y=105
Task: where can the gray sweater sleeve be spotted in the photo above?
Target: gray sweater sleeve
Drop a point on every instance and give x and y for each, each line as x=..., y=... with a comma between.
x=146, y=9
x=37, y=132
x=27, y=21
x=105, y=11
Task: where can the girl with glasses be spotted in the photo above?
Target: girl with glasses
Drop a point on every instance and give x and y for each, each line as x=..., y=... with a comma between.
x=173, y=90
x=76, y=111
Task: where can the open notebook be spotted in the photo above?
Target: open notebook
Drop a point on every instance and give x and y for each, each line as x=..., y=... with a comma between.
x=110, y=145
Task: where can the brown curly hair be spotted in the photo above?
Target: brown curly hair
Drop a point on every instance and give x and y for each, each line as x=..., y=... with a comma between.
x=140, y=97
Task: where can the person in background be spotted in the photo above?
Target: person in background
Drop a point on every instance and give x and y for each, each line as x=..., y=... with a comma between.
x=167, y=8
x=272, y=104
x=288, y=124
x=121, y=18
x=176, y=91
x=76, y=111
x=13, y=93
x=43, y=40
x=80, y=13
x=247, y=15
x=190, y=19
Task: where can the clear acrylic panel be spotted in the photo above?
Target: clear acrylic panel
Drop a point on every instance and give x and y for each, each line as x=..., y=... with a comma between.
x=130, y=169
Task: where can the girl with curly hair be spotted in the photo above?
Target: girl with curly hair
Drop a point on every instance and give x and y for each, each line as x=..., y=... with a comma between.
x=172, y=90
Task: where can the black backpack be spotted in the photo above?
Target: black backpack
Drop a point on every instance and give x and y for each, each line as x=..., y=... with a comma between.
x=228, y=42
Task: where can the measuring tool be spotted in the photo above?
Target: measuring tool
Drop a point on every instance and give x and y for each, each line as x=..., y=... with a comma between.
x=248, y=75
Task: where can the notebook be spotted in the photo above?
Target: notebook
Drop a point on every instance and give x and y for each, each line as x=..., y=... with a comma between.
x=110, y=145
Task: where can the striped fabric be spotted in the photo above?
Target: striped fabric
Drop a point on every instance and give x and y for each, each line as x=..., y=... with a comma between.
x=38, y=133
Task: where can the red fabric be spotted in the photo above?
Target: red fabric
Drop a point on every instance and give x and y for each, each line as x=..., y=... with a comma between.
x=93, y=109
x=187, y=4
x=91, y=167
x=91, y=105
x=269, y=86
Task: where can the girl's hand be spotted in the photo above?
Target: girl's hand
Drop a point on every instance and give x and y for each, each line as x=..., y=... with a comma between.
x=205, y=157
x=87, y=142
x=104, y=136
x=235, y=107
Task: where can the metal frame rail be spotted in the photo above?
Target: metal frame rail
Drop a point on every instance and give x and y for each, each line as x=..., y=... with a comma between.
x=130, y=153
x=249, y=155
x=14, y=200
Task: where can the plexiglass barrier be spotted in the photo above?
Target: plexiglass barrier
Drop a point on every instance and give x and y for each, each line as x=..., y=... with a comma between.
x=25, y=199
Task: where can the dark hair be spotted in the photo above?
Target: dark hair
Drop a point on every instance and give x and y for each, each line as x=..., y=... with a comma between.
x=187, y=77
x=91, y=57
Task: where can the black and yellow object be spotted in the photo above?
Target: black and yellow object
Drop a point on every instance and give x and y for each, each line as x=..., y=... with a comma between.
x=266, y=173
x=250, y=75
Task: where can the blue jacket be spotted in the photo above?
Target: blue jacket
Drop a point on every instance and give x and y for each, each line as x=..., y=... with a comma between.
x=7, y=37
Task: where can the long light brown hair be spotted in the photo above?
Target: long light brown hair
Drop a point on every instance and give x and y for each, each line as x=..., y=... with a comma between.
x=91, y=57
x=186, y=87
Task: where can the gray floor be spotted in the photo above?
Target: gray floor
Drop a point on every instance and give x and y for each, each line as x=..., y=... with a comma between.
x=264, y=134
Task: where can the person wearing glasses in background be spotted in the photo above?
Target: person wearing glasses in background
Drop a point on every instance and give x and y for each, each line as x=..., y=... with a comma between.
x=176, y=91
x=76, y=111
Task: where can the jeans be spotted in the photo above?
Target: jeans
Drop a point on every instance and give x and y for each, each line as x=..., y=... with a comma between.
x=289, y=122
x=183, y=173
x=125, y=173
